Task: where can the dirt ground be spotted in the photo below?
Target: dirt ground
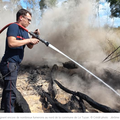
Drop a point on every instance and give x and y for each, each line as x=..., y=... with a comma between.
x=31, y=78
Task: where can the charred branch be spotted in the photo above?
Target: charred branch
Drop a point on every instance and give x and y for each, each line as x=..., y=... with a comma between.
x=70, y=65
x=76, y=104
x=20, y=104
x=93, y=103
x=50, y=88
x=58, y=107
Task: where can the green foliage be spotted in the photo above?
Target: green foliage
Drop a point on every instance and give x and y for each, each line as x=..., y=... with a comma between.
x=115, y=7
x=52, y=2
x=42, y=4
x=47, y=3
x=112, y=2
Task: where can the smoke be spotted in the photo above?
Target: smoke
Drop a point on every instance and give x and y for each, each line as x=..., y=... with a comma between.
x=89, y=86
x=71, y=28
x=68, y=28
x=6, y=17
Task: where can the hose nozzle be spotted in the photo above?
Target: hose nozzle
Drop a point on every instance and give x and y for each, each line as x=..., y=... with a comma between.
x=37, y=36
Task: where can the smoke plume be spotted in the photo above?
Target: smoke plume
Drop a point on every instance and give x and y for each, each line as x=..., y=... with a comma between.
x=70, y=29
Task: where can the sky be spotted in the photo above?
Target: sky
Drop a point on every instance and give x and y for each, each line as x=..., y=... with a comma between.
x=104, y=13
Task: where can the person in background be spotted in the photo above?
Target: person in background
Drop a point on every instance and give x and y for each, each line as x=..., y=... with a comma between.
x=16, y=40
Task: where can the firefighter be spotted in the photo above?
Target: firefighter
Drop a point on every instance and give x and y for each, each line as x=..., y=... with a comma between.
x=16, y=40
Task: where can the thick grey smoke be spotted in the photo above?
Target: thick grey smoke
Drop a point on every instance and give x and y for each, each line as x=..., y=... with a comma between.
x=70, y=28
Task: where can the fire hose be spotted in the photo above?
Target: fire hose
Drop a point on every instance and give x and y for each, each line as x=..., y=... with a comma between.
x=31, y=33
x=54, y=48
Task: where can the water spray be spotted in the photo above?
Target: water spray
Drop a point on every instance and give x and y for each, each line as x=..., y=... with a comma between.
x=54, y=48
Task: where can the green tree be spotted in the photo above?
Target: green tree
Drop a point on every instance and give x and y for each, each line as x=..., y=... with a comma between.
x=47, y=3
x=115, y=7
x=44, y=4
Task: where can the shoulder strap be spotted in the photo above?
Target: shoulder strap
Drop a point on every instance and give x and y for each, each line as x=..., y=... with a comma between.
x=10, y=24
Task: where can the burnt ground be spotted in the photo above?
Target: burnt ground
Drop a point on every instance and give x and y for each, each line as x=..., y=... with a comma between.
x=37, y=86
